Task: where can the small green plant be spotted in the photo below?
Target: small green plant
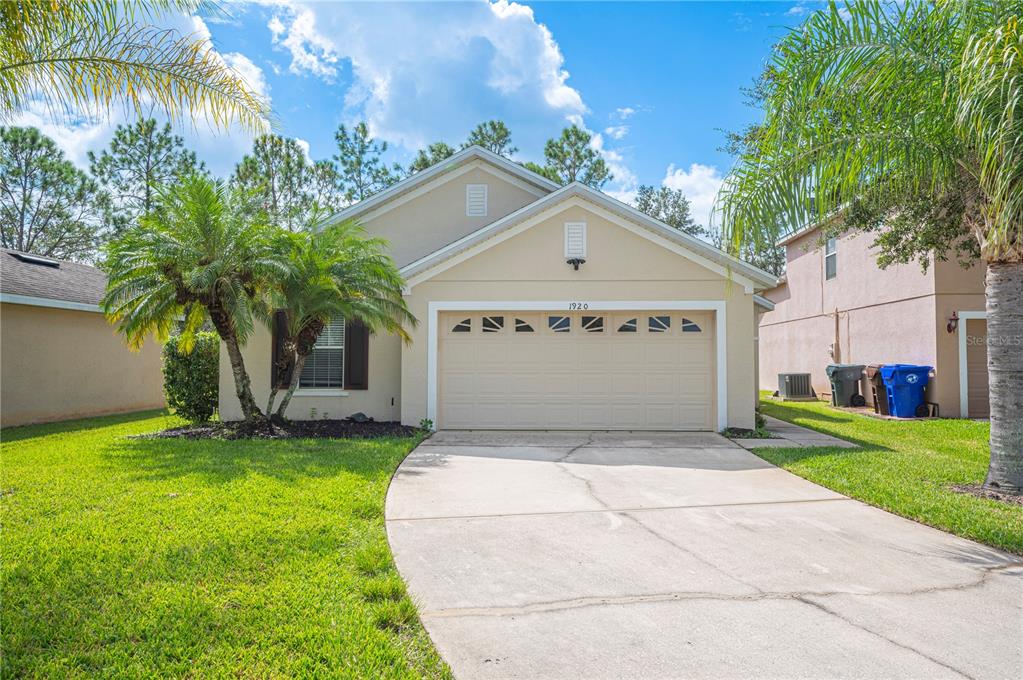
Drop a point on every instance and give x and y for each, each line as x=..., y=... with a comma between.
x=426, y=424
x=190, y=378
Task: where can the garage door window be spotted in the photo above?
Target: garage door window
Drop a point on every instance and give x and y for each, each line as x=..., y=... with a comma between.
x=463, y=326
x=493, y=324
x=690, y=327
x=628, y=327
x=658, y=324
x=593, y=324
x=559, y=324
x=522, y=326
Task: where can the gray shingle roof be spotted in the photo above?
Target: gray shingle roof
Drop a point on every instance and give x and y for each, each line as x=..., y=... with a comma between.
x=68, y=281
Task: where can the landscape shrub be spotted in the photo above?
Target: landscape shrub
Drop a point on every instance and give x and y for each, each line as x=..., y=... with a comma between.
x=190, y=379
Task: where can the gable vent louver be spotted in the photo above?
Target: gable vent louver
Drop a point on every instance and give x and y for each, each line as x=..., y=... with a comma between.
x=476, y=200
x=575, y=240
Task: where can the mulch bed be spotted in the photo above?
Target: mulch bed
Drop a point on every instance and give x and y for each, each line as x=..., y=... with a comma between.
x=980, y=492
x=297, y=429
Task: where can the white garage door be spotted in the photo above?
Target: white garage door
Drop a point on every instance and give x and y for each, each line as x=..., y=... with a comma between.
x=566, y=370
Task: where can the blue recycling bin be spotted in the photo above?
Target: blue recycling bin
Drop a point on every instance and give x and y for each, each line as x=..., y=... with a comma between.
x=904, y=385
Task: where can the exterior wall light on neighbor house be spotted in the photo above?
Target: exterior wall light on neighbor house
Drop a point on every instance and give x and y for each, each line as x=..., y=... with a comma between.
x=953, y=322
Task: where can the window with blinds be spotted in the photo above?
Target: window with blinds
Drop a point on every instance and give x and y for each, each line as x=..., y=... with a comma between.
x=325, y=365
x=476, y=200
x=575, y=239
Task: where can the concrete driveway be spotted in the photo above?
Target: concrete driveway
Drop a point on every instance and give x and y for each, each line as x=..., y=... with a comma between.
x=664, y=555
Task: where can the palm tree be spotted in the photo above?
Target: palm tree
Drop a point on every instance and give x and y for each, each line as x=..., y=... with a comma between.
x=903, y=100
x=335, y=271
x=205, y=254
x=87, y=55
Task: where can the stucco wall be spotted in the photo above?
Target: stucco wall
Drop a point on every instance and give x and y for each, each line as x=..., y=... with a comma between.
x=376, y=402
x=57, y=364
x=895, y=315
x=619, y=266
x=419, y=226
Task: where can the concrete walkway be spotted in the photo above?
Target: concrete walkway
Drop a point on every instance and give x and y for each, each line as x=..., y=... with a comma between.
x=648, y=555
x=788, y=435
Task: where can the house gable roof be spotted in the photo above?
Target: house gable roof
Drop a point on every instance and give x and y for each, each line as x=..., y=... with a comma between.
x=688, y=246
x=28, y=279
x=540, y=185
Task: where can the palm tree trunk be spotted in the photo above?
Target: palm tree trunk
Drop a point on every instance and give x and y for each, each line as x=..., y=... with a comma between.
x=1005, y=375
x=242, y=386
x=296, y=375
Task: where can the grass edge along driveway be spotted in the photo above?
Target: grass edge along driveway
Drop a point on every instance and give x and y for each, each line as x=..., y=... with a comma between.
x=904, y=467
x=140, y=557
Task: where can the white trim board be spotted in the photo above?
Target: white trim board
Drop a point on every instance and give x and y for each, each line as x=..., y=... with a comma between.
x=716, y=306
x=13, y=299
x=964, y=395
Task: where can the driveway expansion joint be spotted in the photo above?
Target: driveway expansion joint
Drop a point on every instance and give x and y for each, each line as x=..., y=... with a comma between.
x=654, y=508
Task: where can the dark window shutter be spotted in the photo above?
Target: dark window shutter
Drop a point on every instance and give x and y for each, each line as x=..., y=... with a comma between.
x=279, y=377
x=356, y=356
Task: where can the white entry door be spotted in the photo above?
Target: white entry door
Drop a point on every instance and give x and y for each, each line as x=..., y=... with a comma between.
x=651, y=370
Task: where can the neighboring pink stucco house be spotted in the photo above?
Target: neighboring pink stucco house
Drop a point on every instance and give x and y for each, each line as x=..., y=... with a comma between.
x=835, y=305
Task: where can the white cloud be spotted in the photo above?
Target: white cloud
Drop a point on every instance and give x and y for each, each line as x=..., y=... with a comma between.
x=700, y=184
x=624, y=113
x=624, y=182
x=616, y=131
x=423, y=72
x=248, y=71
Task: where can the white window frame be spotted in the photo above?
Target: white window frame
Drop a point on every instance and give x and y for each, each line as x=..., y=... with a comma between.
x=327, y=390
x=831, y=250
x=469, y=188
x=580, y=227
x=435, y=307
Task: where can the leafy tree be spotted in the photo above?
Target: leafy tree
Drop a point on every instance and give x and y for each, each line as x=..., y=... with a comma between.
x=205, y=254
x=669, y=206
x=141, y=158
x=91, y=54
x=47, y=205
x=362, y=171
x=431, y=155
x=335, y=271
x=287, y=186
x=570, y=158
x=549, y=173
x=492, y=135
x=888, y=105
x=324, y=186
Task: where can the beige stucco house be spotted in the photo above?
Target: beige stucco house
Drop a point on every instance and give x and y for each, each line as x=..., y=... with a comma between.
x=539, y=306
x=835, y=305
x=59, y=358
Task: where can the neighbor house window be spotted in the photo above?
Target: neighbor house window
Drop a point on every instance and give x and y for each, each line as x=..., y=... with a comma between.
x=831, y=258
x=324, y=367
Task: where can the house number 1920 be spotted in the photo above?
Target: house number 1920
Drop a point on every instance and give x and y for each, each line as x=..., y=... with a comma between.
x=578, y=305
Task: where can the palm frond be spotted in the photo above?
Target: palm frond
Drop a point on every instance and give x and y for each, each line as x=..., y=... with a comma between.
x=95, y=55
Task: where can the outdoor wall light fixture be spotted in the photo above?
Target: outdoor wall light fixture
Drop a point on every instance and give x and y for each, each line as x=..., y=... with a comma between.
x=953, y=322
x=575, y=262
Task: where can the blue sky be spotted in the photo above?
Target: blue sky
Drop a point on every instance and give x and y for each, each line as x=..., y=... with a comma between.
x=654, y=82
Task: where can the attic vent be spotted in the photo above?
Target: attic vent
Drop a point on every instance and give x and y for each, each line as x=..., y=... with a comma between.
x=28, y=258
x=476, y=200
x=575, y=239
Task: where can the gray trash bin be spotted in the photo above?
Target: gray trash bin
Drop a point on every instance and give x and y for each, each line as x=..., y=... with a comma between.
x=845, y=384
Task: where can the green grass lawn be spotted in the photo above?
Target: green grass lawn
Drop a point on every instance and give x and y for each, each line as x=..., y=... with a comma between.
x=142, y=558
x=905, y=467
